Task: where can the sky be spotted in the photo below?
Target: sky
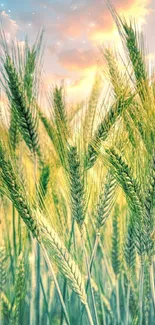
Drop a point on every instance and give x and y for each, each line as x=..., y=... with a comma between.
x=74, y=31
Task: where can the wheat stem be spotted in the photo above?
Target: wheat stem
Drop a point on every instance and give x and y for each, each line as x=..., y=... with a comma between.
x=37, y=297
x=152, y=283
x=65, y=281
x=14, y=230
x=37, y=257
x=118, y=301
x=56, y=283
x=90, y=266
x=128, y=304
x=141, y=285
x=107, y=266
x=97, y=239
x=19, y=235
x=9, y=243
x=46, y=302
x=89, y=315
x=89, y=279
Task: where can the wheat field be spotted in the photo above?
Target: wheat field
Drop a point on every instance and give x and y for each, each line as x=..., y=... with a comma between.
x=77, y=187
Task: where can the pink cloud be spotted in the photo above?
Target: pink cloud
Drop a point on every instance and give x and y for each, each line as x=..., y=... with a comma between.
x=78, y=22
x=92, y=19
x=76, y=59
x=9, y=26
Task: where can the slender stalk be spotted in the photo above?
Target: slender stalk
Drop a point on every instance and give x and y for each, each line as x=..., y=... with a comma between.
x=90, y=266
x=19, y=235
x=9, y=243
x=20, y=172
x=14, y=230
x=109, y=272
x=89, y=277
x=37, y=300
x=94, y=252
x=46, y=302
x=152, y=284
x=56, y=284
x=118, y=301
x=37, y=297
x=103, y=311
x=92, y=259
x=89, y=315
x=141, y=285
x=32, y=278
x=65, y=281
x=104, y=318
x=127, y=304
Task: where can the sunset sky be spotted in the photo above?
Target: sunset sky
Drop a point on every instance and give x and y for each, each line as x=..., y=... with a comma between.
x=73, y=32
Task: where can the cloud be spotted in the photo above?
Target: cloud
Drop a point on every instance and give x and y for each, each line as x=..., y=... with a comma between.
x=81, y=87
x=77, y=59
x=80, y=18
x=55, y=77
x=67, y=24
x=149, y=28
x=9, y=26
x=95, y=21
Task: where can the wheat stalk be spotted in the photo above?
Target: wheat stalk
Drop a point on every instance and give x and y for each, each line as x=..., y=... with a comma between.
x=19, y=288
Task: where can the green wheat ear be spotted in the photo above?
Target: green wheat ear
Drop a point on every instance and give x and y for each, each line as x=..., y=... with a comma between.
x=60, y=110
x=133, y=44
x=133, y=119
x=147, y=292
x=14, y=134
x=29, y=72
x=26, y=121
x=3, y=269
x=5, y=308
x=119, y=84
x=89, y=119
x=126, y=180
x=133, y=194
x=136, y=57
x=15, y=191
x=76, y=186
x=62, y=258
x=129, y=248
x=43, y=183
x=58, y=129
x=106, y=201
x=104, y=128
x=61, y=122
x=44, y=179
x=32, y=64
x=116, y=249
